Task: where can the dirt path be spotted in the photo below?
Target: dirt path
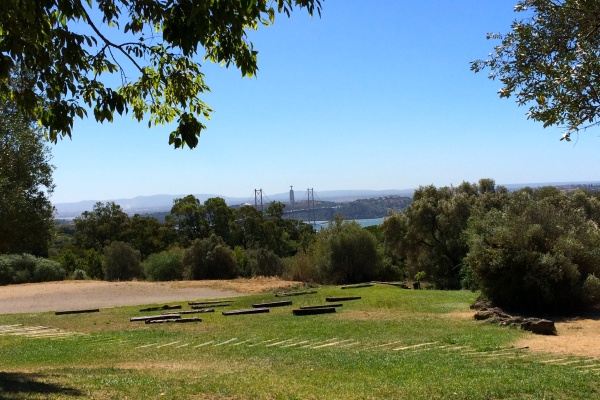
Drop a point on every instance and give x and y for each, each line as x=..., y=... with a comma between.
x=73, y=295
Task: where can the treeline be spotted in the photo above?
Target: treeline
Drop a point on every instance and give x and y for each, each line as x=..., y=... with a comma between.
x=211, y=241
x=531, y=249
x=536, y=250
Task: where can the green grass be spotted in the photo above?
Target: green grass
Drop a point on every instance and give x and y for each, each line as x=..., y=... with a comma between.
x=391, y=344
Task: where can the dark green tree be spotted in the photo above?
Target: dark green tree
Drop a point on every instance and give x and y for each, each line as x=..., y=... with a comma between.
x=66, y=49
x=122, y=262
x=148, y=235
x=188, y=217
x=26, y=214
x=550, y=62
x=219, y=217
x=209, y=258
x=106, y=223
x=428, y=235
x=536, y=254
x=344, y=252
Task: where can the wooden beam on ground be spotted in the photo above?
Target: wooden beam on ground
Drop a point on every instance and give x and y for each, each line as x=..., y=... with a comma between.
x=360, y=285
x=201, y=310
x=165, y=307
x=273, y=304
x=77, y=311
x=314, y=311
x=321, y=306
x=202, y=307
x=199, y=303
x=286, y=294
x=332, y=299
x=175, y=320
x=149, y=317
x=246, y=311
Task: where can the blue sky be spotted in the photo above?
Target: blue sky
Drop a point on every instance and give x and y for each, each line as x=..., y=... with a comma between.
x=372, y=95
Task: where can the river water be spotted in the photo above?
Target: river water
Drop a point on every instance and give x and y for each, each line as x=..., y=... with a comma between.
x=363, y=222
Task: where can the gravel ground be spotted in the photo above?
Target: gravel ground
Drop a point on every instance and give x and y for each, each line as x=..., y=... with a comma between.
x=80, y=295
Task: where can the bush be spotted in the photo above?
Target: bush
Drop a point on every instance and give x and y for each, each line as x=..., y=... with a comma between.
x=301, y=268
x=79, y=275
x=7, y=273
x=23, y=266
x=536, y=255
x=209, y=258
x=122, y=262
x=346, y=253
x=264, y=263
x=47, y=271
x=591, y=290
x=164, y=266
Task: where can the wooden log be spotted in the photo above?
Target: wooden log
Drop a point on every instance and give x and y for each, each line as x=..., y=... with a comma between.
x=286, y=294
x=397, y=284
x=149, y=317
x=321, y=306
x=360, y=285
x=332, y=299
x=200, y=307
x=165, y=307
x=246, y=311
x=273, y=304
x=199, y=303
x=175, y=320
x=76, y=311
x=314, y=311
x=201, y=310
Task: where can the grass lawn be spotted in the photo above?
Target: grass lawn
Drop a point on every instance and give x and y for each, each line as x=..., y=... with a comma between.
x=390, y=344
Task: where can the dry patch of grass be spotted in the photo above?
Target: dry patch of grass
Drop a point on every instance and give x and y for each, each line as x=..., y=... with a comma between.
x=257, y=284
x=576, y=337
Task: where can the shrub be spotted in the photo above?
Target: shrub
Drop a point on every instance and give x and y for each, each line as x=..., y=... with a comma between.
x=300, y=268
x=23, y=266
x=209, y=258
x=536, y=255
x=264, y=263
x=7, y=273
x=47, y=271
x=346, y=253
x=122, y=262
x=79, y=275
x=164, y=266
x=591, y=290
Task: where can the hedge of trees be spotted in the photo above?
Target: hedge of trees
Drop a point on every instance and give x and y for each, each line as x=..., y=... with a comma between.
x=528, y=250
x=211, y=241
x=535, y=250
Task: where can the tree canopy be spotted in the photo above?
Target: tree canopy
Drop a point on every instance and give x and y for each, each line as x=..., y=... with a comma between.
x=26, y=214
x=550, y=61
x=66, y=51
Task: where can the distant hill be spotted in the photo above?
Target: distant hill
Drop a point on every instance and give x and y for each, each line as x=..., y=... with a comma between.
x=163, y=202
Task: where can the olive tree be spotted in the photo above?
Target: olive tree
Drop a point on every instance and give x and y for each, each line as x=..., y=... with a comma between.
x=550, y=62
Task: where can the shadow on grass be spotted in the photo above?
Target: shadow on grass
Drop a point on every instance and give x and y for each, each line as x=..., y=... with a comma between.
x=19, y=385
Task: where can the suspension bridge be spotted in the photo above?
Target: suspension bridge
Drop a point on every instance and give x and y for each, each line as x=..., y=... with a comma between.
x=309, y=207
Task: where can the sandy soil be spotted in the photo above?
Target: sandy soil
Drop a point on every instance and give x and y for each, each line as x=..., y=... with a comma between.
x=77, y=295
x=575, y=337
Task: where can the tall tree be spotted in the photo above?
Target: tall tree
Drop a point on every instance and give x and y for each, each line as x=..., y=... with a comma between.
x=550, y=61
x=26, y=214
x=67, y=49
x=106, y=223
x=189, y=218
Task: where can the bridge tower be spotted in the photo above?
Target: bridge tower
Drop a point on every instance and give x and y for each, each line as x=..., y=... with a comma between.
x=258, y=199
x=311, y=206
